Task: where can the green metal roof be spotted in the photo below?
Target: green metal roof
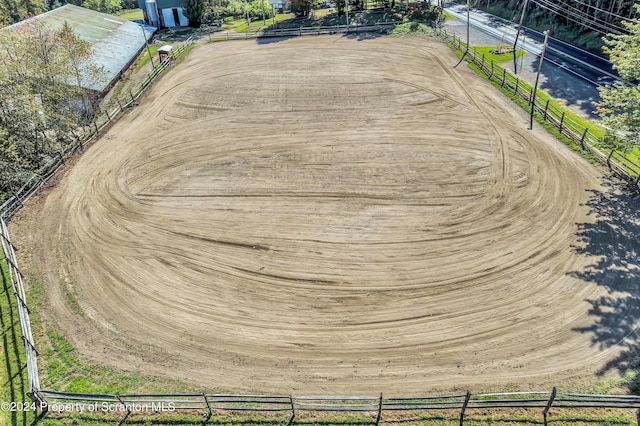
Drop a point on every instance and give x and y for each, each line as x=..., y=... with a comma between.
x=115, y=42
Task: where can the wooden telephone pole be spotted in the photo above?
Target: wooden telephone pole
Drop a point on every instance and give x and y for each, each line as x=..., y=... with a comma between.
x=535, y=87
x=515, y=43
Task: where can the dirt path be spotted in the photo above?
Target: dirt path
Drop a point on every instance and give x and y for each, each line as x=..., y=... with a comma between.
x=323, y=215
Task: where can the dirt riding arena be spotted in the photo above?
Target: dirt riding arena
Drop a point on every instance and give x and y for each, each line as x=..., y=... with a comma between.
x=323, y=215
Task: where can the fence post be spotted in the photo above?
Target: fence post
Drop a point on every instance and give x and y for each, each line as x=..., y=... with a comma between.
x=293, y=409
x=515, y=92
x=123, y=403
x=106, y=111
x=546, y=108
x=548, y=407
x=483, y=61
x=561, y=121
x=209, y=412
x=464, y=407
x=586, y=129
x=491, y=70
x=379, y=411
x=609, y=158
x=120, y=105
x=95, y=123
x=132, y=98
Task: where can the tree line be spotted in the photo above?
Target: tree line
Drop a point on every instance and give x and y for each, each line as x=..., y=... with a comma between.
x=12, y=11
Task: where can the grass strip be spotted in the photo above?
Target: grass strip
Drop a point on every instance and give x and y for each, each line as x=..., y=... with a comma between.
x=595, y=129
x=14, y=383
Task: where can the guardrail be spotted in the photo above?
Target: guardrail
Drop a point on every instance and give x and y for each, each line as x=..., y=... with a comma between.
x=83, y=137
x=373, y=407
x=581, y=136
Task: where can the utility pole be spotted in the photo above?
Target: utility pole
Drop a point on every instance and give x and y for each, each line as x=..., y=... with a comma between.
x=468, y=8
x=515, y=43
x=146, y=42
x=466, y=50
x=346, y=8
x=535, y=86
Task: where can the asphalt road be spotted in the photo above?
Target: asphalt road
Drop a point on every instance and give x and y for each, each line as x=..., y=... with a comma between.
x=568, y=74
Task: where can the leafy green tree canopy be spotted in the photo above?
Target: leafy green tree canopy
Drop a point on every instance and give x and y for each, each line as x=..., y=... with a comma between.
x=43, y=99
x=12, y=11
x=620, y=104
x=105, y=6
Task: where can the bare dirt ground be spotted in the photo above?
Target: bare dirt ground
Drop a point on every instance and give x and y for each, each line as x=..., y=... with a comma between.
x=324, y=215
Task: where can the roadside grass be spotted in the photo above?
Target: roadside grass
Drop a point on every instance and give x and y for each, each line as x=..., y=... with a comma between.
x=14, y=383
x=594, y=127
x=131, y=14
x=539, y=118
x=498, y=58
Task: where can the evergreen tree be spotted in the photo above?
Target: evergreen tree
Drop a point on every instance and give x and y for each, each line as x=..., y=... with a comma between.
x=194, y=11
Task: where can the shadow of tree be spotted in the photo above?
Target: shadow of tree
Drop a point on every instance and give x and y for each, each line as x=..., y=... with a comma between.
x=613, y=239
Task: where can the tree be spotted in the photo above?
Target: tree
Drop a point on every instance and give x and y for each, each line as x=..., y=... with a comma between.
x=43, y=99
x=105, y=6
x=12, y=11
x=620, y=104
x=194, y=11
x=80, y=71
x=302, y=7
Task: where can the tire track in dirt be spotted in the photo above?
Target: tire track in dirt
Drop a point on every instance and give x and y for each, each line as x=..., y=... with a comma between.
x=325, y=216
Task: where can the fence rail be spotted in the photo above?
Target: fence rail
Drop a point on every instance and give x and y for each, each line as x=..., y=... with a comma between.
x=17, y=285
x=208, y=405
x=581, y=136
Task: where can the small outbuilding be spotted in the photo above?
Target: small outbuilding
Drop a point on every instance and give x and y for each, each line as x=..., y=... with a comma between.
x=165, y=53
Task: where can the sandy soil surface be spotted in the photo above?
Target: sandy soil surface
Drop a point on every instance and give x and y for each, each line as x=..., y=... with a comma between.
x=323, y=215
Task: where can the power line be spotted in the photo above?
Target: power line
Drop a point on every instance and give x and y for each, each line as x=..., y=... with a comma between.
x=601, y=10
x=576, y=13
x=581, y=18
